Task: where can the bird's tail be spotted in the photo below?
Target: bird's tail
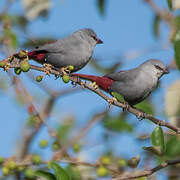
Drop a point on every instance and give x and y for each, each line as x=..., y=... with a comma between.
x=36, y=55
x=102, y=82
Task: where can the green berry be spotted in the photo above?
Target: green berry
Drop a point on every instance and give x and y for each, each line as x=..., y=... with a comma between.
x=2, y=64
x=1, y=160
x=105, y=160
x=5, y=171
x=76, y=148
x=22, y=54
x=43, y=143
x=39, y=78
x=55, y=146
x=11, y=165
x=36, y=159
x=102, y=171
x=29, y=173
x=17, y=71
x=65, y=78
x=20, y=168
x=122, y=163
x=24, y=65
x=70, y=67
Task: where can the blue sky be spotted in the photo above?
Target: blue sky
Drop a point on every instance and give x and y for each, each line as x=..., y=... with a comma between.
x=126, y=27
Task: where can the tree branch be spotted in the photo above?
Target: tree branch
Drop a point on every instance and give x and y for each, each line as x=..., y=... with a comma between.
x=147, y=172
x=84, y=84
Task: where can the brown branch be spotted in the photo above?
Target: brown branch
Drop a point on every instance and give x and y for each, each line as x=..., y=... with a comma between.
x=146, y=173
x=30, y=137
x=136, y=112
x=163, y=14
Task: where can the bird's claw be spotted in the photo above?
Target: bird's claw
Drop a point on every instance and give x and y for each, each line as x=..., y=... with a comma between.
x=7, y=67
x=47, y=69
x=94, y=85
x=140, y=115
x=111, y=101
x=126, y=106
x=64, y=70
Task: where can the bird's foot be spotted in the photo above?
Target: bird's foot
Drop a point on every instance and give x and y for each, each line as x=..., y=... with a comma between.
x=111, y=101
x=64, y=70
x=94, y=85
x=141, y=114
x=126, y=106
x=47, y=69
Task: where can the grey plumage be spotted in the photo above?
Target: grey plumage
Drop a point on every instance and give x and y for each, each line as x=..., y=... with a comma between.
x=135, y=85
x=75, y=50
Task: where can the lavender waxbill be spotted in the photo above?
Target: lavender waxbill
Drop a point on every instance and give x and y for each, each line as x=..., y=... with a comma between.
x=134, y=85
x=75, y=50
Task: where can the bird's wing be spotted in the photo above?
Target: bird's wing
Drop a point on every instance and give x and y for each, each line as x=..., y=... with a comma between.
x=60, y=46
x=123, y=75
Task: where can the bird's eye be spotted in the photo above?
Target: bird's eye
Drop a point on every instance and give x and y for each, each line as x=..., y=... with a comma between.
x=94, y=37
x=158, y=67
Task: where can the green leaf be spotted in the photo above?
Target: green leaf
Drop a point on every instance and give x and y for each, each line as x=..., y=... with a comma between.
x=101, y=6
x=73, y=172
x=117, y=123
x=157, y=138
x=64, y=129
x=177, y=48
x=146, y=106
x=46, y=175
x=117, y=96
x=59, y=172
x=12, y=36
x=156, y=23
x=173, y=147
x=169, y=2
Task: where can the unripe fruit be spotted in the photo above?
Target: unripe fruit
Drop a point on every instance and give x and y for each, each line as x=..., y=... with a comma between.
x=65, y=78
x=29, y=173
x=22, y=54
x=70, y=67
x=134, y=161
x=43, y=143
x=17, y=71
x=76, y=148
x=39, y=78
x=1, y=160
x=5, y=171
x=102, y=171
x=20, y=168
x=105, y=160
x=24, y=65
x=122, y=163
x=11, y=165
x=36, y=159
x=2, y=64
x=55, y=146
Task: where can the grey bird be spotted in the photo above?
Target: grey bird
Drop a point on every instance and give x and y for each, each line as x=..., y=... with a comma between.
x=75, y=50
x=134, y=85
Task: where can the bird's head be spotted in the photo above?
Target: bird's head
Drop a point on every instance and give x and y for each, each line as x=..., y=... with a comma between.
x=89, y=35
x=155, y=67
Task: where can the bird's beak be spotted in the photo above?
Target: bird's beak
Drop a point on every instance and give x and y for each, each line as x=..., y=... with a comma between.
x=165, y=71
x=99, y=41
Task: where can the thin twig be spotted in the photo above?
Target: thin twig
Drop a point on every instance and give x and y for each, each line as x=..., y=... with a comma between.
x=130, y=109
x=146, y=173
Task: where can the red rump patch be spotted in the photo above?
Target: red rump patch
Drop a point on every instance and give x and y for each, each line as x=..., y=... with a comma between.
x=103, y=82
x=38, y=56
